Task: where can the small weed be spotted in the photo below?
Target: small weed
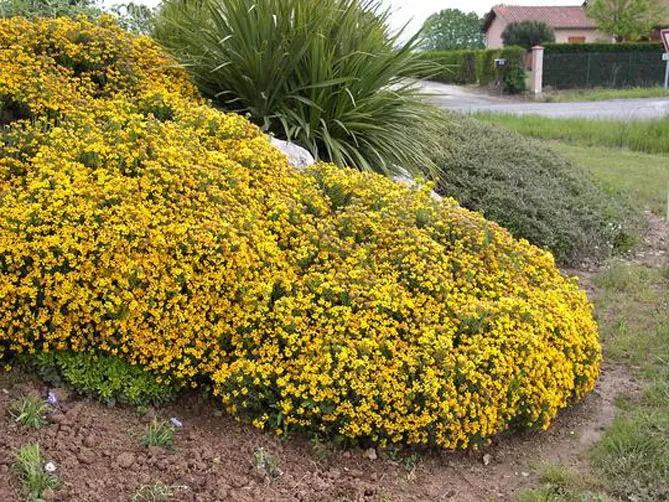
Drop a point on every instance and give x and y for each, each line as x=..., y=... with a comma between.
x=157, y=492
x=29, y=469
x=30, y=411
x=266, y=462
x=407, y=460
x=159, y=433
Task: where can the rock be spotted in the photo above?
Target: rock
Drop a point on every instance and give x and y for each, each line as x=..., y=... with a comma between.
x=298, y=157
x=405, y=179
x=125, y=460
x=486, y=459
x=334, y=473
x=86, y=456
x=370, y=454
x=90, y=441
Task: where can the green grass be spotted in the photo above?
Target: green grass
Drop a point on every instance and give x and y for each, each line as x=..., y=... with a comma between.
x=649, y=136
x=633, y=304
x=29, y=411
x=645, y=177
x=28, y=468
x=559, y=484
x=561, y=96
x=158, y=433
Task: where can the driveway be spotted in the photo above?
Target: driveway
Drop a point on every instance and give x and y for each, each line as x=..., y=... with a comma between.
x=462, y=99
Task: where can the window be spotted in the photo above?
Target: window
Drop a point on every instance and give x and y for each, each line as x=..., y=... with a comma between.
x=576, y=40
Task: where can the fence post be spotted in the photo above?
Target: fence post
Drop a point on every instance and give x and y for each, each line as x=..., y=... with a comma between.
x=536, y=84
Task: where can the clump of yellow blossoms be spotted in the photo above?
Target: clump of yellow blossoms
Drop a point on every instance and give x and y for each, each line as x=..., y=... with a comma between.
x=136, y=220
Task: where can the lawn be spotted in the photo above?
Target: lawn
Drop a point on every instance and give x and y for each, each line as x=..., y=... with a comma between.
x=632, y=307
x=643, y=176
x=649, y=136
x=570, y=95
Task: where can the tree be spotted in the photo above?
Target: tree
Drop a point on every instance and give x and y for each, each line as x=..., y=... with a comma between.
x=49, y=8
x=135, y=18
x=528, y=34
x=453, y=29
x=627, y=19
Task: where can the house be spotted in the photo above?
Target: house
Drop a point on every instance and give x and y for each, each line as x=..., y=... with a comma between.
x=570, y=23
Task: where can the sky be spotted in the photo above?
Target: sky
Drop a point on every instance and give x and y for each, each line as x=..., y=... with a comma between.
x=415, y=12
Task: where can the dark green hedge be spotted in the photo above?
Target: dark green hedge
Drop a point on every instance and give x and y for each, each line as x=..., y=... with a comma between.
x=626, y=47
x=470, y=66
x=453, y=67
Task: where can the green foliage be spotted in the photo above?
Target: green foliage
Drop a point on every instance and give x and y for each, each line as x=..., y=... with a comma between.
x=108, y=378
x=470, y=67
x=534, y=192
x=513, y=79
x=627, y=19
x=158, y=433
x=454, y=67
x=29, y=470
x=451, y=29
x=515, y=64
x=135, y=18
x=327, y=75
x=29, y=411
x=49, y=8
x=527, y=34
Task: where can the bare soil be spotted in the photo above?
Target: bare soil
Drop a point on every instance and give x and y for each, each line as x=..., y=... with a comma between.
x=98, y=453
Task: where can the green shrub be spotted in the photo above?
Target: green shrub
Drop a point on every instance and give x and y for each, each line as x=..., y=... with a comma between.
x=531, y=190
x=108, y=378
x=326, y=75
x=527, y=34
x=513, y=80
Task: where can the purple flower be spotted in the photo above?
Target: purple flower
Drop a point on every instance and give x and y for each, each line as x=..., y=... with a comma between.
x=52, y=399
x=176, y=423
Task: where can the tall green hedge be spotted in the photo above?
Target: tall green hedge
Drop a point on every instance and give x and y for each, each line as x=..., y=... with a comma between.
x=453, y=67
x=603, y=65
x=471, y=67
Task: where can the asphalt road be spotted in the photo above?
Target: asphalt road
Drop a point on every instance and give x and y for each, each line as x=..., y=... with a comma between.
x=453, y=97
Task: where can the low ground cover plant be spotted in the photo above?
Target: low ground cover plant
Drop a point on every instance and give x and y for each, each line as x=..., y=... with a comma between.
x=536, y=193
x=137, y=221
x=110, y=379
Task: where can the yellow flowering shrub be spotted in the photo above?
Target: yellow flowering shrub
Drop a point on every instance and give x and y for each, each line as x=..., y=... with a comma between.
x=138, y=221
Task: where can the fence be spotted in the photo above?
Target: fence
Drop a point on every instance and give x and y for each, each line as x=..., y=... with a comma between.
x=603, y=65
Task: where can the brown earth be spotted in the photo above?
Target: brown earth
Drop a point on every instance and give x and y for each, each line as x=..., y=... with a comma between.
x=99, y=456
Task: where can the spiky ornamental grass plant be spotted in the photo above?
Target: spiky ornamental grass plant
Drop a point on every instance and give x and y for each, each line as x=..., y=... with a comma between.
x=327, y=75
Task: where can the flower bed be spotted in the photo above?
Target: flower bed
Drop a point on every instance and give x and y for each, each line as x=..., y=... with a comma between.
x=137, y=221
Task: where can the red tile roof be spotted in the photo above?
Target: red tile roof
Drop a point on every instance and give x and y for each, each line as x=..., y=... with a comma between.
x=557, y=17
